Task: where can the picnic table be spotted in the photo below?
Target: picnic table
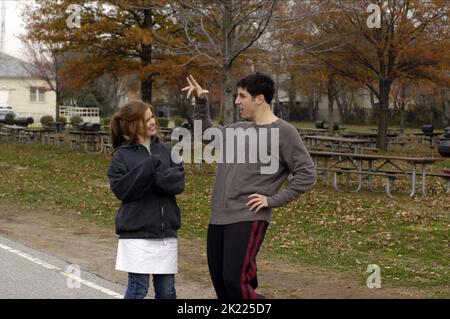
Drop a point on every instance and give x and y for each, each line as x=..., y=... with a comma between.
x=364, y=166
x=25, y=134
x=14, y=127
x=372, y=136
x=13, y=132
x=335, y=143
x=431, y=138
x=391, y=130
x=312, y=131
x=93, y=142
x=37, y=134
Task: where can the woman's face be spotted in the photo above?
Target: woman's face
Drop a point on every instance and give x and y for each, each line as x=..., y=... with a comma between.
x=148, y=126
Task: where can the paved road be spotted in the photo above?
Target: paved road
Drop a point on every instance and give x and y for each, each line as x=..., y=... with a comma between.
x=29, y=274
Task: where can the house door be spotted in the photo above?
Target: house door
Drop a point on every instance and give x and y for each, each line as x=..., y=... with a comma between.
x=4, y=97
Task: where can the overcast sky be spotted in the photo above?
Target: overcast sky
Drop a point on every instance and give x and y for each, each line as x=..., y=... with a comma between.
x=14, y=27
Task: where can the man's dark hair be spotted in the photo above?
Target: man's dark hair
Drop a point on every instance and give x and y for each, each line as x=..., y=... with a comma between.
x=258, y=83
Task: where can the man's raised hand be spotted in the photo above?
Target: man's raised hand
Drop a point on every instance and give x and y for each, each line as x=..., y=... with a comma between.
x=193, y=85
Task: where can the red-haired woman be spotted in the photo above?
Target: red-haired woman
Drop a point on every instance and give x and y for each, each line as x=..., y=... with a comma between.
x=145, y=178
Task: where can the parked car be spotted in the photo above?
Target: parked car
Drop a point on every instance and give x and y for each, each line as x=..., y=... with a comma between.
x=4, y=112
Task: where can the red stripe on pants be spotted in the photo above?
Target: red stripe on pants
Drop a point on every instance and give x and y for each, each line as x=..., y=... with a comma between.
x=246, y=261
x=252, y=271
x=247, y=276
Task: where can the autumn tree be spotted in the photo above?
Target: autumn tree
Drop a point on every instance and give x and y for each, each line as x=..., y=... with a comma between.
x=407, y=39
x=292, y=68
x=117, y=37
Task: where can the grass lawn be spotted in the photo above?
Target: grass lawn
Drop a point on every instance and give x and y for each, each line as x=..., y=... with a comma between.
x=408, y=238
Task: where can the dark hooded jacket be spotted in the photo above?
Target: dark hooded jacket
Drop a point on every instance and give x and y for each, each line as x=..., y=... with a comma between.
x=146, y=185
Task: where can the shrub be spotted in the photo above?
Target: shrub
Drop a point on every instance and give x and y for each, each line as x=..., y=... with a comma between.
x=46, y=120
x=75, y=120
x=61, y=119
x=9, y=119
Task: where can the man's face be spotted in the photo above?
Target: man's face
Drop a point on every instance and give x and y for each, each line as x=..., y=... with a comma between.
x=246, y=104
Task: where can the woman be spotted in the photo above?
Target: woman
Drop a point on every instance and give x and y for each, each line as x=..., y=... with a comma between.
x=145, y=179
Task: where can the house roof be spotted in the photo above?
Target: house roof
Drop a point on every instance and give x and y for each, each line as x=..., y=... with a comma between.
x=11, y=67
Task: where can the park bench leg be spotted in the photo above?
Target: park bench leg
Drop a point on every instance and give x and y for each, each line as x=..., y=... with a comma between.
x=335, y=183
x=73, y=145
x=413, y=181
x=325, y=177
x=325, y=172
x=360, y=179
x=369, y=177
x=423, y=182
x=389, y=186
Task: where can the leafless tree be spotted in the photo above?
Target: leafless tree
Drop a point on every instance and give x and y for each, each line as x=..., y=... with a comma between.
x=221, y=31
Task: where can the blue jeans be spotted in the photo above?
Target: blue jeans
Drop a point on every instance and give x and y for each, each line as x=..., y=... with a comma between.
x=138, y=286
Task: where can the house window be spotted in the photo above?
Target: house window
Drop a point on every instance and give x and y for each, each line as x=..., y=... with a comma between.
x=37, y=94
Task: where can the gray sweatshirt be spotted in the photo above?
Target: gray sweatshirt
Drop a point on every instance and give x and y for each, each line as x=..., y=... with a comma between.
x=236, y=181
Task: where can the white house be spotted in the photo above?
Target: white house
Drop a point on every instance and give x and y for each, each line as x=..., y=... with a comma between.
x=25, y=93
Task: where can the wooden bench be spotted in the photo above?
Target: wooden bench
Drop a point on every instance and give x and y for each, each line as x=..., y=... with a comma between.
x=88, y=145
x=5, y=135
x=327, y=148
x=52, y=139
x=373, y=149
x=74, y=143
x=390, y=177
x=49, y=139
x=23, y=137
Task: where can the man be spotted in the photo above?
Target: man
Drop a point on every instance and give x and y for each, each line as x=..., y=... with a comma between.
x=243, y=196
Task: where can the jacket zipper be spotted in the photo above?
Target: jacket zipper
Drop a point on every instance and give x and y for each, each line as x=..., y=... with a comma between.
x=162, y=211
x=162, y=224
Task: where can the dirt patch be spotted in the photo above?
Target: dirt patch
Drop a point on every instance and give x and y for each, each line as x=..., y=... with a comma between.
x=93, y=248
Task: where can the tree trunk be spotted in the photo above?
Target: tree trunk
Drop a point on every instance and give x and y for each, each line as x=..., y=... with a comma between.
x=383, y=108
x=228, y=96
x=146, y=58
x=446, y=109
x=316, y=105
x=402, y=114
x=331, y=94
x=276, y=105
x=291, y=105
x=228, y=81
x=340, y=107
x=58, y=103
x=375, y=107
